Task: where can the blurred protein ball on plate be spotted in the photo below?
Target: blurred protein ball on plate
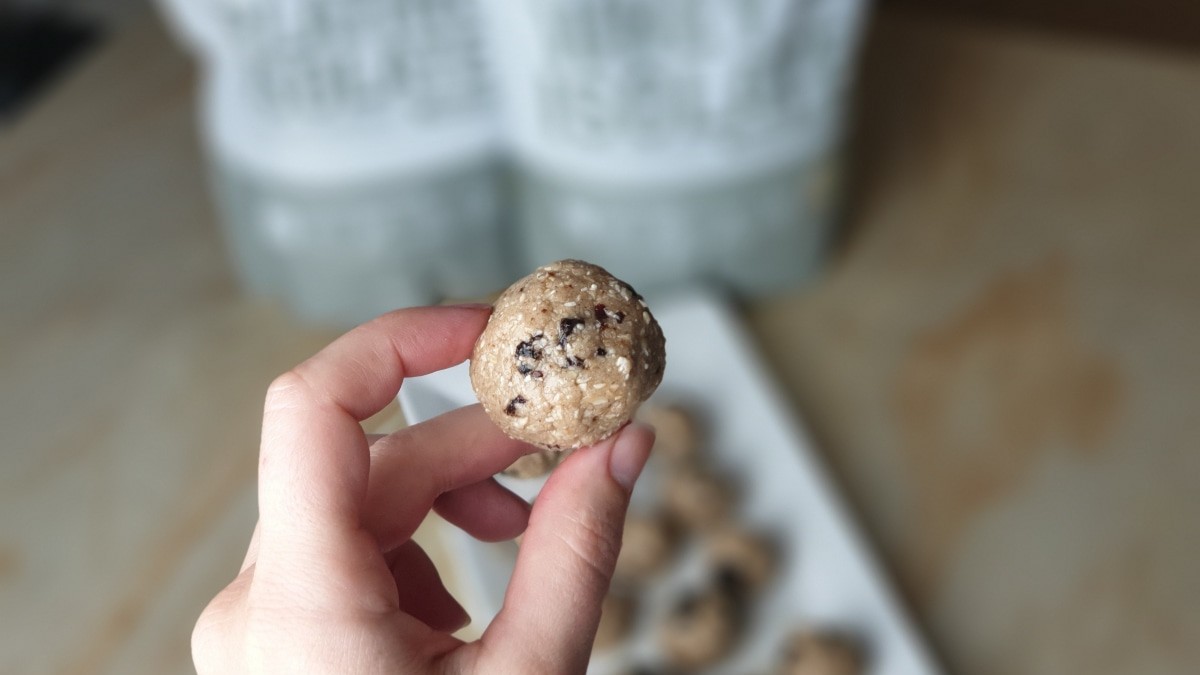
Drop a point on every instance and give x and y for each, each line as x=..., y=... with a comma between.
x=697, y=497
x=701, y=628
x=647, y=545
x=747, y=557
x=810, y=652
x=617, y=613
x=676, y=437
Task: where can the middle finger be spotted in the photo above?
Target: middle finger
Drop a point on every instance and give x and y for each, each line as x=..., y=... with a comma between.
x=412, y=467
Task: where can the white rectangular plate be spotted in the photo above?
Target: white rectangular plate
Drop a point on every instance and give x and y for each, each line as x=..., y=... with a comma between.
x=829, y=577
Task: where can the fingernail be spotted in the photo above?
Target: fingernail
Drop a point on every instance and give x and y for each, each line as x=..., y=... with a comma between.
x=629, y=454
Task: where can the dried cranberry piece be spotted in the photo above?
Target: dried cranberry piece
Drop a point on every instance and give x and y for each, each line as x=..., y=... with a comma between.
x=511, y=408
x=525, y=349
x=566, y=328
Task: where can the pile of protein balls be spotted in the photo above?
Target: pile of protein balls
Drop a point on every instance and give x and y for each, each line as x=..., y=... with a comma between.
x=695, y=506
x=704, y=623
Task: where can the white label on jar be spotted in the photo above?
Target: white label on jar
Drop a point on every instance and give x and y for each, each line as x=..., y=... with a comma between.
x=419, y=60
x=653, y=88
x=321, y=88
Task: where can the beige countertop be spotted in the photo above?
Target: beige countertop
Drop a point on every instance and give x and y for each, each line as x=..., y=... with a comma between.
x=999, y=365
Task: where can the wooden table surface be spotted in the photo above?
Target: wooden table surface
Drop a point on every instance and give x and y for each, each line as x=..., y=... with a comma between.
x=1000, y=364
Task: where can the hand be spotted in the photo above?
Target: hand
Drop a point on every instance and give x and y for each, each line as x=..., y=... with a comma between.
x=332, y=581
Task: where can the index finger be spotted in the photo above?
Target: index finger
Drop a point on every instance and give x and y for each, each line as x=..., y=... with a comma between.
x=314, y=459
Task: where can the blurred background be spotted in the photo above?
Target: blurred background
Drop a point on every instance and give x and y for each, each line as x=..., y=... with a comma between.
x=962, y=235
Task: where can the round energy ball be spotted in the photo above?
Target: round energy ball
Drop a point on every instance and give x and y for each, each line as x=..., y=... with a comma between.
x=813, y=653
x=616, y=617
x=749, y=558
x=568, y=355
x=676, y=435
x=535, y=464
x=700, y=629
x=647, y=545
x=697, y=497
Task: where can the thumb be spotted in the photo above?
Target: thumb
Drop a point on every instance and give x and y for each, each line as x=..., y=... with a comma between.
x=552, y=605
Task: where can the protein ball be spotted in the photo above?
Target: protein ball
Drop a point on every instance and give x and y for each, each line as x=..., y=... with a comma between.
x=813, y=653
x=648, y=543
x=535, y=464
x=568, y=355
x=748, y=558
x=697, y=497
x=616, y=617
x=701, y=628
x=676, y=436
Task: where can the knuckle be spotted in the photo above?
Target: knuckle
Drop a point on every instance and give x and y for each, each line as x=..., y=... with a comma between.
x=209, y=639
x=594, y=539
x=286, y=391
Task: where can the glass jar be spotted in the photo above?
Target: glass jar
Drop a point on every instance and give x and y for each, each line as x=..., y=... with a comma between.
x=355, y=150
x=677, y=141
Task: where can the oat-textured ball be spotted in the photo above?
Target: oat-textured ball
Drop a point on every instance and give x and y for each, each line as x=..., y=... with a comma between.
x=701, y=628
x=647, y=545
x=535, y=464
x=616, y=617
x=747, y=557
x=813, y=653
x=568, y=355
x=676, y=435
x=697, y=497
